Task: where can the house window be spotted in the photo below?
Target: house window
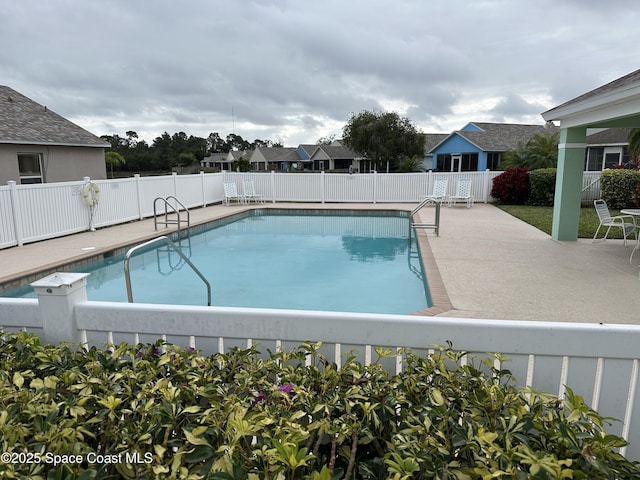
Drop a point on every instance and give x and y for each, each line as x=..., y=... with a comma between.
x=443, y=162
x=469, y=162
x=493, y=159
x=466, y=162
x=342, y=163
x=594, y=159
x=30, y=166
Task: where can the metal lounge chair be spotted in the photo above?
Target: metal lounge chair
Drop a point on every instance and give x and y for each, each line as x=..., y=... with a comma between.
x=249, y=189
x=439, y=193
x=463, y=193
x=231, y=193
x=606, y=220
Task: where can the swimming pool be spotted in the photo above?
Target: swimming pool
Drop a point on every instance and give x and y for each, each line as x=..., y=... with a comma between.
x=320, y=260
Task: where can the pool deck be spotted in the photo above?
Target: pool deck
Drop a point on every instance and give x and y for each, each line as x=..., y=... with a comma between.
x=485, y=264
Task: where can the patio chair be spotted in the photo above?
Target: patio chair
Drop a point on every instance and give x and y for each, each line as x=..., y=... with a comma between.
x=439, y=193
x=231, y=193
x=463, y=193
x=250, y=194
x=606, y=220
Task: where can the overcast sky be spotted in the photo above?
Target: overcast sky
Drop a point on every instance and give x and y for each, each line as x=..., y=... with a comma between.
x=295, y=71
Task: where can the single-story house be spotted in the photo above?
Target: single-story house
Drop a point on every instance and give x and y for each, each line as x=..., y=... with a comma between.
x=224, y=161
x=37, y=145
x=278, y=158
x=479, y=145
x=338, y=157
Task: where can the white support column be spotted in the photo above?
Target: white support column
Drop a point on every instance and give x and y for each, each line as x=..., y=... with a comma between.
x=58, y=294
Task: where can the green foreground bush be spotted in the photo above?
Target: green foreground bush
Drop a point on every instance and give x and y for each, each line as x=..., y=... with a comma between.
x=620, y=188
x=158, y=411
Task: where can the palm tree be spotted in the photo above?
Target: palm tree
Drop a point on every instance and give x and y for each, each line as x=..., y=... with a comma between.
x=541, y=151
x=114, y=159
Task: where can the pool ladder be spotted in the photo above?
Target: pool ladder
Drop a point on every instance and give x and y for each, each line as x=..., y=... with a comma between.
x=435, y=225
x=169, y=208
x=171, y=245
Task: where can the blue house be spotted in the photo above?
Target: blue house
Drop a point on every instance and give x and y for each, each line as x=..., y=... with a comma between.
x=480, y=146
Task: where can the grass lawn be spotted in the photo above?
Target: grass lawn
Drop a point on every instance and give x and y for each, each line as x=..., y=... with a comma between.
x=542, y=218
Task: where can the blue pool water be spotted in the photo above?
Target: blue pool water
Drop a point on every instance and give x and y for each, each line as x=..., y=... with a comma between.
x=266, y=259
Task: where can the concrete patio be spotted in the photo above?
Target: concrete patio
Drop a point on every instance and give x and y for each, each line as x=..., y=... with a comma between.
x=492, y=265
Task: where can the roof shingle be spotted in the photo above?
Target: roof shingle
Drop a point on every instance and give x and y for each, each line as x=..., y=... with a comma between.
x=23, y=121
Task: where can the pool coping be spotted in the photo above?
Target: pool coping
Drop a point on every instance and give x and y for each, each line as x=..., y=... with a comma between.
x=439, y=298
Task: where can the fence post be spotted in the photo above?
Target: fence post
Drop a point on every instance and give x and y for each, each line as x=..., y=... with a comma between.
x=486, y=185
x=322, y=185
x=15, y=212
x=175, y=184
x=58, y=294
x=204, y=198
x=375, y=186
x=273, y=186
x=139, y=195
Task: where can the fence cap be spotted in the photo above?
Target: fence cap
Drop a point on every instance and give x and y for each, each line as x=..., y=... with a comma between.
x=61, y=279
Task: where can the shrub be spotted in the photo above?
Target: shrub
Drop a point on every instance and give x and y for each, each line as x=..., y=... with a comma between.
x=512, y=186
x=543, y=186
x=159, y=411
x=618, y=186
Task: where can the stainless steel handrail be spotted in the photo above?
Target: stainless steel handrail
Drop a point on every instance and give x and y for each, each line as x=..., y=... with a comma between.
x=435, y=226
x=175, y=210
x=166, y=240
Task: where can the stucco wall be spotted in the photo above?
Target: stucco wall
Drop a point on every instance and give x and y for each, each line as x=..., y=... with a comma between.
x=59, y=164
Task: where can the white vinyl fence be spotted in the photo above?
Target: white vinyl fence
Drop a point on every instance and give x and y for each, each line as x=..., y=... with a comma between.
x=29, y=213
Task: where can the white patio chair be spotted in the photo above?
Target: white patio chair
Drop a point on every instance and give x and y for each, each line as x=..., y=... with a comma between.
x=231, y=193
x=439, y=193
x=606, y=220
x=463, y=193
x=249, y=189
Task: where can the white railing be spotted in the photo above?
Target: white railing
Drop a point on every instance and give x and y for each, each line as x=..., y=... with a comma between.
x=598, y=361
x=29, y=213
x=590, y=187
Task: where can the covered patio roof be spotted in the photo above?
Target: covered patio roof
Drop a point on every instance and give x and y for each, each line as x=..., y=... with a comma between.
x=616, y=104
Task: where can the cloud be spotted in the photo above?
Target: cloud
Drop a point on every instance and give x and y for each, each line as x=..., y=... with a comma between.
x=298, y=70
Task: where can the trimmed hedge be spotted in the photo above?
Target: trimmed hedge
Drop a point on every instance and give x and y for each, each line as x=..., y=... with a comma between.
x=543, y=187
x=619, y=188
x=159, y=411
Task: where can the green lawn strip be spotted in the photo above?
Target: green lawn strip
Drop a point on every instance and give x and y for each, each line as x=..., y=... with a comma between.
x=542, y=219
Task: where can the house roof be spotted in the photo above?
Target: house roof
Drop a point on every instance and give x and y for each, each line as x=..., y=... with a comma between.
x=279, y=154
x=629, y=80
x=23, y=121
x=615, y=104
x=237, y=154
x=610, y=136
x=498, y=137
x=433, y=139
x=336, y=151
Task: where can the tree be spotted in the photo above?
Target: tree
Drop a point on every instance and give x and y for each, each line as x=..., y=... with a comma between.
x=383, y=137
x=114, y=159
x=634, y=148
x=328, y=140
x=541, y=151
